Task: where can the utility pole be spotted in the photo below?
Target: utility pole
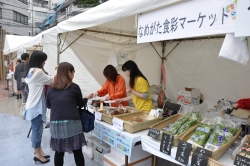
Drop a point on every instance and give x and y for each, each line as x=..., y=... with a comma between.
x=56, y=14
x=32, y=20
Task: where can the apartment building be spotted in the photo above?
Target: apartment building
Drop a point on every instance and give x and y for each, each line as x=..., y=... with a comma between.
x=38, y=10
x=13, y=20
x=14, y=16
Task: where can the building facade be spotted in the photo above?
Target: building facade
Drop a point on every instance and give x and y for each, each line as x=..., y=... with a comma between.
x=13, y=21
x=14, y=17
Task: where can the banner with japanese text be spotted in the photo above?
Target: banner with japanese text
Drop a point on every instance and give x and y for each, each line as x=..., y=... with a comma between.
x=188, y=19
x=242, y=27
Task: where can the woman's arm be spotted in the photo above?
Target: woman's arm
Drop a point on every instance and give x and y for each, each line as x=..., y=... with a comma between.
x=104, y=90
x=142, y=95
x=128, y=98
x=121, y=92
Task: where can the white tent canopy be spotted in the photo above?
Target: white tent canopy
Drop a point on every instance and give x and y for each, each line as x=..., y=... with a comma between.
x=99, y=32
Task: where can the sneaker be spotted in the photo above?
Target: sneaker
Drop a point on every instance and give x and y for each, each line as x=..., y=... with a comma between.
x=17, y=97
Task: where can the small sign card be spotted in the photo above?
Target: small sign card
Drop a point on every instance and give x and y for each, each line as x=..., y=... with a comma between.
x=154, y=133
x=166, y=143
x=98, y=116
x=200, y=157
x=241, y=161
x=117, y=123
x=183, y=152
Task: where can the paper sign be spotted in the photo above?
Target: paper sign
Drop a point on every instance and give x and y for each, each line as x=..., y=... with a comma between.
x=183, y=152
x=20, y=52
x=108, y=136
x=166, y=143
x=200, y=157
x=241, y=161
x=154, y=133
x=97, y=132
x=123, y=143
x=98, y=116
x=118, y=124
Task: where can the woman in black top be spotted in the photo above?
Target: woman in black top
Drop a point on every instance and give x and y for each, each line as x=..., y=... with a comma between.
x=63, y=98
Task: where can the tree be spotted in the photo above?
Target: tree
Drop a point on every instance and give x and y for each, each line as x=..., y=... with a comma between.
x=88, y=2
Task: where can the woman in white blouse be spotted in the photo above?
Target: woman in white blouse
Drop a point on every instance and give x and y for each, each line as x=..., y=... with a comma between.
x=36, y=104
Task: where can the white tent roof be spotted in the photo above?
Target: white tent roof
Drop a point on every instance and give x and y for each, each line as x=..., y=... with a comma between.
x=12, y=43
x=104, y=13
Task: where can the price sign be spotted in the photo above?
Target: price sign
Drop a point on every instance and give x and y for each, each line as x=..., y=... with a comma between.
x=183, y=152
x=117, y=123
x=98, y=116
x=154, y=133
x=241, y=161
x=200, y=157
x=166, y=143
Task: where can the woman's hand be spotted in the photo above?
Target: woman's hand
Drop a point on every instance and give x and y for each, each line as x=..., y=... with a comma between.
x=90, y=96
x=129, y=90
x=119, y=100
x=107, y=98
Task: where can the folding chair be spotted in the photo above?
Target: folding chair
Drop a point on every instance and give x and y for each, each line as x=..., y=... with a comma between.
x=170, y=109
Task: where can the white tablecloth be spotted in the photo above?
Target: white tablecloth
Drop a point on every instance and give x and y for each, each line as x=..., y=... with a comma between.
x=153, y=146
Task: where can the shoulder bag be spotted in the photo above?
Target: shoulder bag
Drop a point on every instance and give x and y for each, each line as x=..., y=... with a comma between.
x=87, y=119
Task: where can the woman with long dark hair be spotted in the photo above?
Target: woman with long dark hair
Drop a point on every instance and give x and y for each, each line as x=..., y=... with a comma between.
x=36, y=103
x=138, y=86
x=114, y=86
x=63, y=98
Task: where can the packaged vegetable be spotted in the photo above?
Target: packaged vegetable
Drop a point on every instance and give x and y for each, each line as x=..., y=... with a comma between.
x=201, y=134
x=186, y=126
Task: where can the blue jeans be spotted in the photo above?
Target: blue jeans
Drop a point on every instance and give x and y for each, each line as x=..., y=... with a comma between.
x=37, y=131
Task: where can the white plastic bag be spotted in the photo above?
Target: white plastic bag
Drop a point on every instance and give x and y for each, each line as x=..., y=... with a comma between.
x=235, y=48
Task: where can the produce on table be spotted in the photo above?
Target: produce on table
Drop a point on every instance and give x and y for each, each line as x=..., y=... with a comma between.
x=201, y=134
x=245, y=150
x=190, y=119
x=223, y=132
x=174, y=127
x=186, y=126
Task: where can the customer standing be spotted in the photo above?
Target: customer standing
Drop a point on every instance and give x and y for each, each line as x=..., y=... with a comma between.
x=114, y=86
x=63, y=98
x=19, y=74
x=36, y=103
x=138, y=86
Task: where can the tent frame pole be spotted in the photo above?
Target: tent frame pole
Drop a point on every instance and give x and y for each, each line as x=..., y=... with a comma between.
x=109, y=33
x=72, y=42
x=64, y=40
x=58, y=48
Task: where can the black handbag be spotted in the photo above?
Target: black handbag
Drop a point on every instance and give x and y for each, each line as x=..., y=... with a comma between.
x=87, y=119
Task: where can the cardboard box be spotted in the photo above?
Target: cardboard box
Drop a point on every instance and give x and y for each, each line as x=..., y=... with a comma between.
x=189, y=96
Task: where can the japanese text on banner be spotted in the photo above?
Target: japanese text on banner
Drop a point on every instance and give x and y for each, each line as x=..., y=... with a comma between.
x=208, y=17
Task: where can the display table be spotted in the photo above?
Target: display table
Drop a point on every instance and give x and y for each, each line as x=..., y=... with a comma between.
x=120, y=140
x=153, y=146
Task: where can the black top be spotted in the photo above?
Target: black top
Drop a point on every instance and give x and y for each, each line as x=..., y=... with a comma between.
x=64, y=103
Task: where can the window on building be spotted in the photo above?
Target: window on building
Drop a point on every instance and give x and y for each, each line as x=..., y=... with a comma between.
x=20, y=18
x=23, y=1
x=41, y=14
x=45, y=4
x=0, y=13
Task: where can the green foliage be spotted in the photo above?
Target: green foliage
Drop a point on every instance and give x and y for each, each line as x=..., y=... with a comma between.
x=88, y=2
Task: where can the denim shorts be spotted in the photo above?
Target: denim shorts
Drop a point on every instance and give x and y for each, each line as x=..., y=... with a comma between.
x=37, y=131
